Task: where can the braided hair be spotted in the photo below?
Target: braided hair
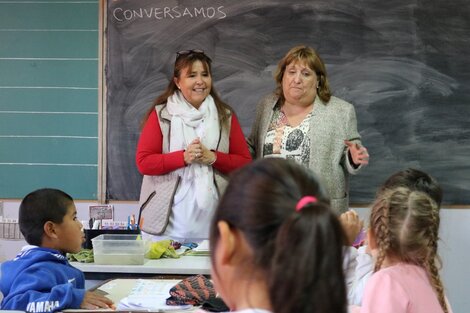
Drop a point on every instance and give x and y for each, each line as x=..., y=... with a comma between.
x=405, y=226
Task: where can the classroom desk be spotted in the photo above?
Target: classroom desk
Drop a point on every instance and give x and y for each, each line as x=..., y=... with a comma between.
x=184, y=266
x=117, y=289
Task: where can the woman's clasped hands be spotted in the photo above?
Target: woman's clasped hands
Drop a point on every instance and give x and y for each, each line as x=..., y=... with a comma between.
x=196, y=152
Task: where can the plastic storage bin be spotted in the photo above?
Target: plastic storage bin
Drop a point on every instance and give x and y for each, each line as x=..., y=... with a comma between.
x=92, y=233
x=118, y=249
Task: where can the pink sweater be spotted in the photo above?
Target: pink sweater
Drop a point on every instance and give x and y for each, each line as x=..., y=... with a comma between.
x=401, y=288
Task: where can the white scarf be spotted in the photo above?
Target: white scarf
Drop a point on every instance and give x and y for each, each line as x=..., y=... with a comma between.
x=188, y=123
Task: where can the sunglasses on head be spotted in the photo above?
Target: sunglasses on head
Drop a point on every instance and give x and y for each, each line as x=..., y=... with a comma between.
x=186, y=52
x=191, y=52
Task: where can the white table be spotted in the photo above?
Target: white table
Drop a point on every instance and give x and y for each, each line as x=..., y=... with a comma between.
x=185, y=265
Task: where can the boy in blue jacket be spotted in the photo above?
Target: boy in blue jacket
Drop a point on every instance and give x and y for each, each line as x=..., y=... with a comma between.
x=40, y=279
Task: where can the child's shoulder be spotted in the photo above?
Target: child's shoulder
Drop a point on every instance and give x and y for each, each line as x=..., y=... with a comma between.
x=39, y=253
x=401, y=269
x=33, y=264
x=31, y=257
x=400, y=276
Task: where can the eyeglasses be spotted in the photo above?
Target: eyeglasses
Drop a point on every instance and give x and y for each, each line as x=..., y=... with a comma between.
x=192, y=51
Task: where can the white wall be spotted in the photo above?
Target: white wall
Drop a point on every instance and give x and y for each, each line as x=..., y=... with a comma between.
x=454, y=246
x=9, y=248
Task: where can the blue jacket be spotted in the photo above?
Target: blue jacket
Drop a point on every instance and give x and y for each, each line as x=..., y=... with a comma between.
x=41, y=280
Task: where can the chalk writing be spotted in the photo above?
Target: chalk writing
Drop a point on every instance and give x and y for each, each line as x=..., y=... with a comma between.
x=175, y=12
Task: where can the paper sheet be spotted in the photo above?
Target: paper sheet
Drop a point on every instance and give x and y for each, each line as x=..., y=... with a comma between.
x=150, y=295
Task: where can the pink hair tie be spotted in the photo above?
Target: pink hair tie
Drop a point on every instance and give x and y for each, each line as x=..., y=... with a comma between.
x=304, y=201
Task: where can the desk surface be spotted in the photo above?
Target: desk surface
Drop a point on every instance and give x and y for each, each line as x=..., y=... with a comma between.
x=118, y=289
x=185, y=265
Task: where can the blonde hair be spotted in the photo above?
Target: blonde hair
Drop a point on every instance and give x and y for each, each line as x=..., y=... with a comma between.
x=405, y=225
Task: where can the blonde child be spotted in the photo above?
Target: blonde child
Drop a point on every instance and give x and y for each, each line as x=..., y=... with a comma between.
x=403, y=238
x=410, y=178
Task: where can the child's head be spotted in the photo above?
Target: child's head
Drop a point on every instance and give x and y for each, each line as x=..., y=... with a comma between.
x=259, y=237
x=48, y=218
x=414, y=180
x=404, y=227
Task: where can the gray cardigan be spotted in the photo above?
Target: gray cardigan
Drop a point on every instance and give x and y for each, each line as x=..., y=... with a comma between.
x=330, y=125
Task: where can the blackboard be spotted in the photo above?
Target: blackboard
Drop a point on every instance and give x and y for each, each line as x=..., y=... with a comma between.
x=49, y=97
x=404, y=65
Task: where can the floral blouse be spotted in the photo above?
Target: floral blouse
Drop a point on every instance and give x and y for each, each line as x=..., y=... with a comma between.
x=285, y=141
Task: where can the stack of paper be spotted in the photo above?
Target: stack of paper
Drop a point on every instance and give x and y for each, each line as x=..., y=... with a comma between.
x=150, y=295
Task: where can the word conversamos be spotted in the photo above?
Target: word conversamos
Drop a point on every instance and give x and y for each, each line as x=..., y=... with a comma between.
x=175, y=12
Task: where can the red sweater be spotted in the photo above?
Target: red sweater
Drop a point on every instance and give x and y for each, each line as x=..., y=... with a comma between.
x=151, y=161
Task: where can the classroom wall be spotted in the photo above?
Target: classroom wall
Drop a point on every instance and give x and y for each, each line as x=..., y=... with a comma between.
x=454, y=247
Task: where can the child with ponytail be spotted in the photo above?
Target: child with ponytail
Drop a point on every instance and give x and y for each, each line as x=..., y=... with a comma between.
x=276, y=244
x=403, y=237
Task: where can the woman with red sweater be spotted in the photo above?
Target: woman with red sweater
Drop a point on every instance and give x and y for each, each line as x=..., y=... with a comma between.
x=189, y=132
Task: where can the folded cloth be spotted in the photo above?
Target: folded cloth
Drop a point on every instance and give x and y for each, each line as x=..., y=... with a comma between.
x=84, y=256
x=193, y=290
x=162, y=249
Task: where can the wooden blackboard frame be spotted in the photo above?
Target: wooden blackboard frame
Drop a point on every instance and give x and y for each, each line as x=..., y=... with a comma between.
x=102, y=176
